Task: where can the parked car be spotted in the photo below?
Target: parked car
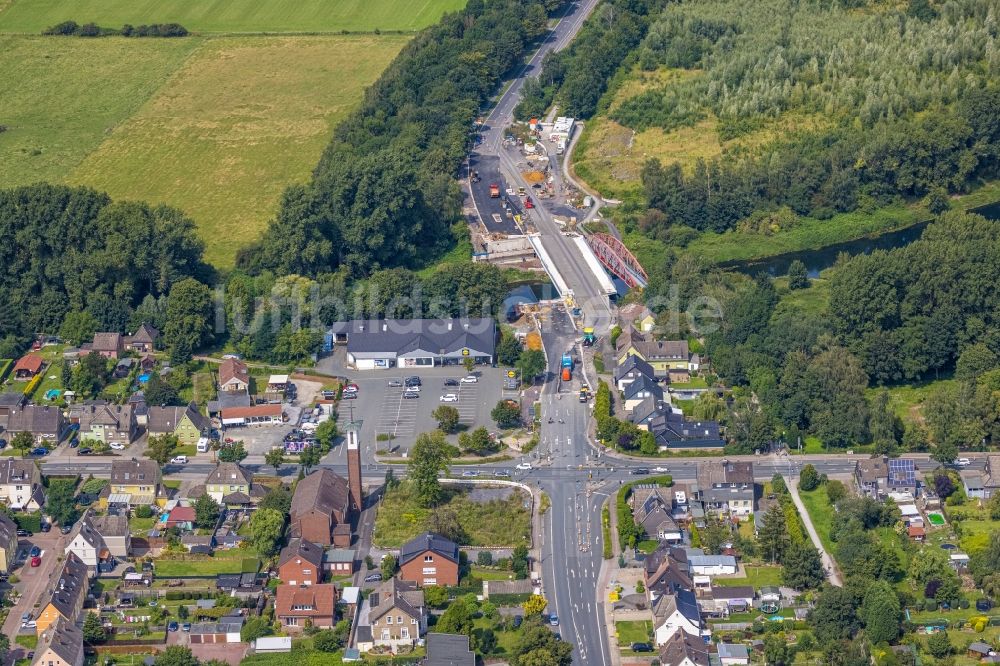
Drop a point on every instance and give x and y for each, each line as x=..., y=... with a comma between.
x=30, y=624
x=349, y=396
x=641, y=647
x=186, y=626
x=351, y=388
x=23, y=533
x=412, y=389
x=983, y=605
x=373, y=578
x=36, y=561
x=554, y=620
x=172, y=626
x=451, y=381
x=395, y=383
x=40, y=451
x=25, y=616
x=73, y=443
x=412, y=381
x=234, y=357
x=963, y=462
x=46, y=527
x=410, y=395
x=525, y=466
x=179, y=460
x=3, y=443
x=85, y=451
x=469, y=379
x=449, y=397
x=35, y=551
x=117, y=446
x=66, y=529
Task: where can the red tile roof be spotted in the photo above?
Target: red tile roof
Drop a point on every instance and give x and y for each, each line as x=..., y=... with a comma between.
x=30, y=362
x=321, y=598
x=248, y=412
x=182, y=514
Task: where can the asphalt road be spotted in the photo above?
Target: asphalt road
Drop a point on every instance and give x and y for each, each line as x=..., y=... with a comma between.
x=494, y=163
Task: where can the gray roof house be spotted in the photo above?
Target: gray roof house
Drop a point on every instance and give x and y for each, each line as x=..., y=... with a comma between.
x=43, y=423
x=631, y=369
x=733, y=654
x=386, y=343
x=641, y=388
x=61, y=644
x=21, y=484
x=653, y=513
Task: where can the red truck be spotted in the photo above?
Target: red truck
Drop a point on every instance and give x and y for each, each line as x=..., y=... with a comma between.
x=494, y=191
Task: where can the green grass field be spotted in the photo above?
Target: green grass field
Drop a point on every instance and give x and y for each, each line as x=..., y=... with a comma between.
x=230, y=16
x=757, y=576
x=242, y=119
x=208, y=566
x=818, y=505
x=62, y=97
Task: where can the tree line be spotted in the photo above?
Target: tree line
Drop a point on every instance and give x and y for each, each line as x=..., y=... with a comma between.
x=906, y=111
x=384, y=193
x=72, y=28
x=576, y=77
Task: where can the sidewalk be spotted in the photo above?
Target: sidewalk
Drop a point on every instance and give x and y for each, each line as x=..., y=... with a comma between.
x=833, y=573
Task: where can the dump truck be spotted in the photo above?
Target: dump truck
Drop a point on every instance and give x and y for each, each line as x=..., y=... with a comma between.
x=567, y=361
x=494, y=190
x=567, y=374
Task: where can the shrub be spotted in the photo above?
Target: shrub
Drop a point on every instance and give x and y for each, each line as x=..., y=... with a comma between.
x=143, y=511
x=484, y=558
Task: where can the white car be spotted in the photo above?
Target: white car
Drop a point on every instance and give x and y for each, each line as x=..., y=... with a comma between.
x=469, y=379
x=30, y=624
x=525, y=466
x=179, y=460
x=449, y=397
x=963, y=462
x=117, y=446
x=411, y=389
x=660, y=470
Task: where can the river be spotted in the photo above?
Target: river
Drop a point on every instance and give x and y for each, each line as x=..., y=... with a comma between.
x=818, y=260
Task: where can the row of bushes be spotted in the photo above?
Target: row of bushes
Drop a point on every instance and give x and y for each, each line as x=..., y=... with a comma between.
x=186, y=595
x=74, y=29
x=5, y=364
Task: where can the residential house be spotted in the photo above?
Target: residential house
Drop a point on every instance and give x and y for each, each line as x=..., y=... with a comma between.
x=449, y=650
x=916, y=533
x=638, y=316
x=87, y=544
x=234, y=376
x=320, y=503
x=653, y=513
x=27, y=367
x=871, y=476
x=21, y=484
x=108, y=345
x=139, y=407
x=642, y=388
x=665, y=573
x=115, y=531
x=682, y=649
x=134, y=482
x=229, y=483
x=676, y=613
x=9, y=401
x=65, y=595
x=181, y=517
x=394, y=616
x=733, y=654
x=8, y=543
x=123, y=367
x=226, y=400
x=982, y=485
x=673, y=431
x=295, y=605
x=713, y=565
x=903, y=477
x=663, y=355
x=187, y=423
x=726, y=488
x=60, y=645
x=721, y=601
x=43, y=423
x=429, y=559
x=630, y=370
x=300, y=563
x=143, y=341
x=339, y=561
x=648, y=410
x=111, y=424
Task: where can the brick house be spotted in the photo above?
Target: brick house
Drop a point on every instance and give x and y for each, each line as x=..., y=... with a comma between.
x=429, y=559
x=321, y=502
x=108, y=345
x=300, y=563
x=295, y=605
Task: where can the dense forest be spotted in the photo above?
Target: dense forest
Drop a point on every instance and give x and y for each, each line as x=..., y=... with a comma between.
x=384, y=193
x=898, y=104
x=914, y=313
x=73, y=249
x=576, y=77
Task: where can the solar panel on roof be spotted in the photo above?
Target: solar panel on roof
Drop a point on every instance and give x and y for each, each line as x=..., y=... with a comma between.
x=902, y=470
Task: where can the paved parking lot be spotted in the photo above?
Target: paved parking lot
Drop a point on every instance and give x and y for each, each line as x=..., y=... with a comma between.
x=384, y=410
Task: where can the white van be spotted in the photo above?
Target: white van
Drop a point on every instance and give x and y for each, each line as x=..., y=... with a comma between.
x=203, y=445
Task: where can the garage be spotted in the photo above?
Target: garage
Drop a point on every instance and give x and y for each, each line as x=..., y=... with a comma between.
x=226, y=630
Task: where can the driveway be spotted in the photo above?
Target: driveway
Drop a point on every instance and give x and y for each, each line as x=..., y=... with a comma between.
x=828, y=562
x=32, y=581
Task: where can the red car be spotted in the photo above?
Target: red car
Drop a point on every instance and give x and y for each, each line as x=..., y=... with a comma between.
x=36, y=561
x=528, y=203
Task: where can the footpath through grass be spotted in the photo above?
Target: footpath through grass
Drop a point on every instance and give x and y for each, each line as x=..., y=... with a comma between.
x=821, y=512
x=505, y=522
x=230, y=16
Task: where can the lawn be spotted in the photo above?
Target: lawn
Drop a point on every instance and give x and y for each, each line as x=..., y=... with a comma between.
x=633, y=631
x=230, y=15
x=62, y=97
x=494, y=523
x=757, y=577
x=821, y=513
x=203, y=567
x=907, y=401
x=242, y=119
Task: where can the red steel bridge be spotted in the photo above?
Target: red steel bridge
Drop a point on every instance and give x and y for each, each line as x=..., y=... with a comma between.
x=618, y=260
